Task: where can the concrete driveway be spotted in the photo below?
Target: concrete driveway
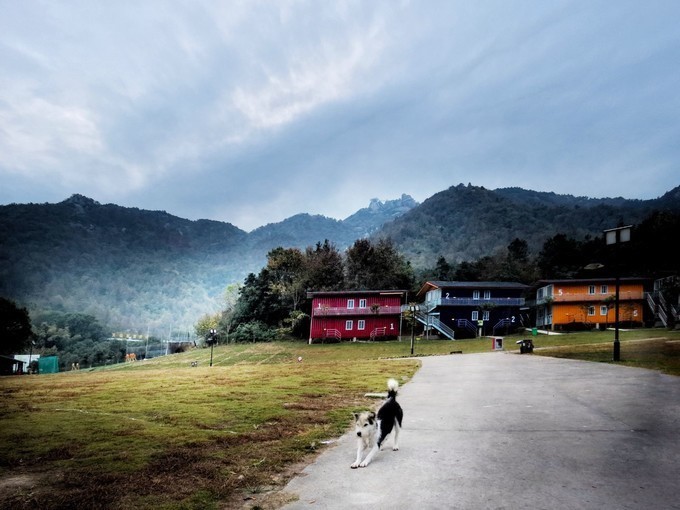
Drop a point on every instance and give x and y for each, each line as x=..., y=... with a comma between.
x=500, y=430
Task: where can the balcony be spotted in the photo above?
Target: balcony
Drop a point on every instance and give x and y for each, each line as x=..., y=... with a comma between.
x=497, y=301
x=337, y=312
x=586, y=297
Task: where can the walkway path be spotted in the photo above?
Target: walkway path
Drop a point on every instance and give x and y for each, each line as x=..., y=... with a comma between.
x=508, y=431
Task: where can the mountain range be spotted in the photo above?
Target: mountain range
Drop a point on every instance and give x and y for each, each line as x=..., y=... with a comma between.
x=138, y=269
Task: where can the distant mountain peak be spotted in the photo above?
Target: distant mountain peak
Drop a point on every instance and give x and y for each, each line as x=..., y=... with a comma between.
x=394, y=207
x=80, y=200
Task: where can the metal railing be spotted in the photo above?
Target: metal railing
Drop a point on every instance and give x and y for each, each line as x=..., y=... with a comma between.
x=378, y=332
x=434, y=322
x=466, y=324
x=650, y=302
x=497, y=301
x=501, y=324
x=585, y=296
x=443, y=328
x=336, y=311
x=332, y=333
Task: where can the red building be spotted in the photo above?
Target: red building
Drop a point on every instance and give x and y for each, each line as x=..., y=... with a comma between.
x=360, y=314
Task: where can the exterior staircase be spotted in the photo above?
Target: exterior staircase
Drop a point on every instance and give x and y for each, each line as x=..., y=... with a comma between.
x=433, y=322
x=665, y=314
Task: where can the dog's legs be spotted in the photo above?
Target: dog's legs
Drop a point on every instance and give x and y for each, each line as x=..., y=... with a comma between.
x=370, y=455
x=397, y=428
x=360, y=451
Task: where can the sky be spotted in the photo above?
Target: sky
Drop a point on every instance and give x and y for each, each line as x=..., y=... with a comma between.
x=249, y=112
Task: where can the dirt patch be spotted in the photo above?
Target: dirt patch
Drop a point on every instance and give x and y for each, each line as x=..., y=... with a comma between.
x=14, y=482
x=18, y=490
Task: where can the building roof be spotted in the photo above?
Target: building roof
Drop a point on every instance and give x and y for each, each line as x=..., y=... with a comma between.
x=607, y=279
x=439, y=284
x=386, y=292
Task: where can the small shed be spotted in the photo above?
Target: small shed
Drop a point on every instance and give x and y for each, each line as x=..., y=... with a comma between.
x=11, y=366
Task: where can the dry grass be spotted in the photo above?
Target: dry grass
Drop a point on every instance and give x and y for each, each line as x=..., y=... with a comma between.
x=660, y=353
x=162, y=434
x=167, y=435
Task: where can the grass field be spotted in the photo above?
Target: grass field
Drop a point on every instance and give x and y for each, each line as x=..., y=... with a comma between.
x=164, y=434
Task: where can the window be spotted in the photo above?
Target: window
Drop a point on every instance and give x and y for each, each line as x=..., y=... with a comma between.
x=591, y=310
x=475, y=294
x=487, y=294
x=361, y=324
x=604, y=289
x=350, y=303
x=349, y=325
x=485, y=315
x=475, y=315
x=604, y=310
x=591, y=289
x=362, y=304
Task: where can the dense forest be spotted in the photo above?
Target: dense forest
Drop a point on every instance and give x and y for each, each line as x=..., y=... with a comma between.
x=274, y=304
x=153, y=273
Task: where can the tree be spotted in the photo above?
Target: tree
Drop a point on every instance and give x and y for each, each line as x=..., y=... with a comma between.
x=324, y=267
x=377, y=266
x=15, y=327
x=259, y=301
x=206, y=323
x=288, y=274
x=442, y=270
x=561, y=257
x=229, y=312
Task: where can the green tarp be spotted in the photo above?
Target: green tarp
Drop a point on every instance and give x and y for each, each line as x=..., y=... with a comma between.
x=48, y=365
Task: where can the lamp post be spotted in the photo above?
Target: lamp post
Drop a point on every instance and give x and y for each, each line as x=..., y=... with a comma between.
x=211, y=341
x=414, y=308
x=616, y=236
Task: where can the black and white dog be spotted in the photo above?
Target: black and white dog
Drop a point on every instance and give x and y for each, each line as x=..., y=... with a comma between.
x=372, y=430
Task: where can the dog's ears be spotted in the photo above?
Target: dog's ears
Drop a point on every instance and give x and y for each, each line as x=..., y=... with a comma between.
x=356, y=416
x=371, y=417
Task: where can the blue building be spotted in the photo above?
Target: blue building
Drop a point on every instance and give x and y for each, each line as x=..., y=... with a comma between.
x=471, y=309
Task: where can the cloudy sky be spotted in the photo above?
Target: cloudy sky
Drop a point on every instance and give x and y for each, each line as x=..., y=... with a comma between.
x=252, y=111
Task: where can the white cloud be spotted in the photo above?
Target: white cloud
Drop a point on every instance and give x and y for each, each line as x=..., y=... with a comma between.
x=166, y=103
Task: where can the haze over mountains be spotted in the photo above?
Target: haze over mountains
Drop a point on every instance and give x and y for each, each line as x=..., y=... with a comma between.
x=140, y=269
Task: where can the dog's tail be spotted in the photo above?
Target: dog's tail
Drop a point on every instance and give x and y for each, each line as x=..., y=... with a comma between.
x=392, y=387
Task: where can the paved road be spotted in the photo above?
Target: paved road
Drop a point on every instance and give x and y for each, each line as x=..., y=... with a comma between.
x=504, y=431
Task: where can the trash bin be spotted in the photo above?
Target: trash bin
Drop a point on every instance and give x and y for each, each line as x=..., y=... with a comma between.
x=534, y=331
x=526, y=346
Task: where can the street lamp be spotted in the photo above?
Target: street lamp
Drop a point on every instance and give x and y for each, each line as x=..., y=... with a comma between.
x=414, y=309
x=616, y=236
x=212, y=340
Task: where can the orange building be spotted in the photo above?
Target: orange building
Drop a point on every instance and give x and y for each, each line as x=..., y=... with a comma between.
x=565, y=304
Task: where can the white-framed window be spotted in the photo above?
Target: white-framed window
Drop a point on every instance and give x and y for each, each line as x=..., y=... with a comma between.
x=349, y=325
x=485, y=315
x=361, y=324
x=475, y=294
x=362, y=303
x=591, y=289
x=604, y=310
x=591, y=310
x=487, y=294
x=350, y=303
x=475, y=315
x=604, y=289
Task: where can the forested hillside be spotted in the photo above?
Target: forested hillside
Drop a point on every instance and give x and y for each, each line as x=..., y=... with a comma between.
x=139, y=269
x=125, y=266
x=469, y=222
